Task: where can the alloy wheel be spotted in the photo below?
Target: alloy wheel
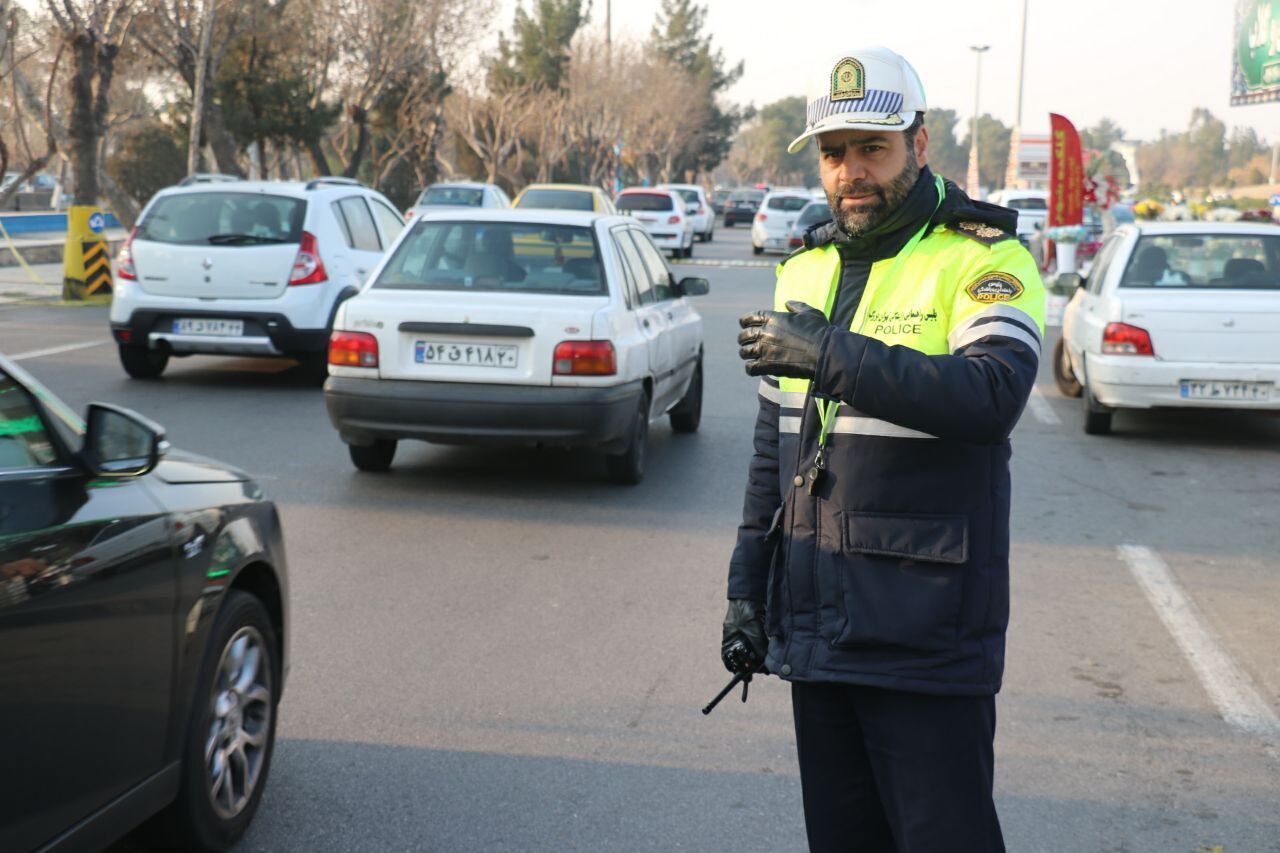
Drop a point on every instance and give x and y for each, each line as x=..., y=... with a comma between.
x=239, y=722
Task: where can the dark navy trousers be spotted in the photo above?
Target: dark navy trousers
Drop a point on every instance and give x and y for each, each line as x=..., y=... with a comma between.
x=885, y=770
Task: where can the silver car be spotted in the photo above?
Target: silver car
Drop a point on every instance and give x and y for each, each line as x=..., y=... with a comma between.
x=455, y=194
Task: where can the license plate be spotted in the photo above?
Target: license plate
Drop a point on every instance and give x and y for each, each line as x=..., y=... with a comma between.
x=466, y=355
x=1195, y=389
x=199, y=326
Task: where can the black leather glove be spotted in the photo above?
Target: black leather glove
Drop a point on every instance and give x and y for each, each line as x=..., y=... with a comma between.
x=783, y=343
x=743, y=645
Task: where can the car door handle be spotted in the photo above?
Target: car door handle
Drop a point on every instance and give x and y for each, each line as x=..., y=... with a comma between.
x=362, y=272
x=670, y=316
x=644, y=323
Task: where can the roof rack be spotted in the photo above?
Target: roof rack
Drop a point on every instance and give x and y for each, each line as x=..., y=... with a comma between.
x=206, y=178
x=334, y=180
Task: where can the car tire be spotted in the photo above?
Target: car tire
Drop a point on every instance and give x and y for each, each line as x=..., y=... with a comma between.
x=242, y=636
x=728, y=223
x=711, y=235
x=1063, y=375
x=757, y=250
x=688, y=250
x=373, y=457
x=313, y=367
x=627, y=468
x=141, y=362
x=687, y=414
x=1097, y=417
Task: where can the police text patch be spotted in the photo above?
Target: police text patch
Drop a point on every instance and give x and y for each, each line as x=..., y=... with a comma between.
x=995, y=287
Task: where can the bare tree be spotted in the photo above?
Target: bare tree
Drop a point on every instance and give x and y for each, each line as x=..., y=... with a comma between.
x=493, y=126
x=12, y=80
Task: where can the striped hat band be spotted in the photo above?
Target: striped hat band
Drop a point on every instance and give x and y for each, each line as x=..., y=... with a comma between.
x=875, y=101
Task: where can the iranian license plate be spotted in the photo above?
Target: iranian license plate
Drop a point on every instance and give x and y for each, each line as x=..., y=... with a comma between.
x=1196, y=389
x=467, y=355
x=204, y=326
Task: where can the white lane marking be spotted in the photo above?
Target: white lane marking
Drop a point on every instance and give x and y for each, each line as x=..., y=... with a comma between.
x=1040, y=408
x=1237, y=699
x=41, y=353
x=724, y=262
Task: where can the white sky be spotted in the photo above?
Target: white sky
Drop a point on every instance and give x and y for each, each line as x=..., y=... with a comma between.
x=1143, y=63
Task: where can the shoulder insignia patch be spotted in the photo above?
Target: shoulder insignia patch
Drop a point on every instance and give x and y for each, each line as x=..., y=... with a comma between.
x=982, y=232
x=995, y=287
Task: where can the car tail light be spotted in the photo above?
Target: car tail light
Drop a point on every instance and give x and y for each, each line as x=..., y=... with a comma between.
x=408, y=214
x=760, y=217
x=584, y=358
x=796, y=242
x=353, y=349
x=1123, y=339
x=308, y=268
x=124, y=261
x=673, y=219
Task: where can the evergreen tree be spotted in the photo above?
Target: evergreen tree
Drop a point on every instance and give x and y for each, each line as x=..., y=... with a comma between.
x=538, y=51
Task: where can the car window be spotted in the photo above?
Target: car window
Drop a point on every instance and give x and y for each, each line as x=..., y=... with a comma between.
x=1027, y=204
x=1225, y=261
x=502, y=256
x=557, y=199
x=787, y=203
x=223, y=219
x=1098, y=272
x=813, y=214
x=659, y=275
x=645, y=201
x=392, y=223
x=453, y=196
x=690, y=196
x=24, y=439
x=357, y=223
x=637, y=274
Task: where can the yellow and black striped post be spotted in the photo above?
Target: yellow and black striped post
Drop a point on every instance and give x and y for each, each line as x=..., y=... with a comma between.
x=86, y=267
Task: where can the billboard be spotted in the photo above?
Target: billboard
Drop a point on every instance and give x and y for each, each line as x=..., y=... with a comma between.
x=1255, y=52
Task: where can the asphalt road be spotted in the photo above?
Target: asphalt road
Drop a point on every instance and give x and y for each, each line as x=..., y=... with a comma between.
x=501, y=651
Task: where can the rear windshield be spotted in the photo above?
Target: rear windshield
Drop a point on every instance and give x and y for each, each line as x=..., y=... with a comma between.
x=224, y=219
x=557, y=199
x=644, y=201
x=813, y=214
x=457, y=196
x=495, y=256
x=1228, y=261
x=787, y=203
x=750, y=195
x=1027, y=204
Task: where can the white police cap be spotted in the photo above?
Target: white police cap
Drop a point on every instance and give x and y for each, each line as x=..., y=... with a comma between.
x=871, y=88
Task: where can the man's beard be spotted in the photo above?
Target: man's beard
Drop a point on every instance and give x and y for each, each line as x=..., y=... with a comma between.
x=860, y=222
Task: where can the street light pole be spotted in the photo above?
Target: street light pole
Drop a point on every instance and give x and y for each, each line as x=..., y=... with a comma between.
x=973, y=181
x=1015, y=141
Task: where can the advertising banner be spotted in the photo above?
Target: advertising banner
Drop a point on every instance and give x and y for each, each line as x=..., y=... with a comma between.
x=1255, y=52
x=1066, y=174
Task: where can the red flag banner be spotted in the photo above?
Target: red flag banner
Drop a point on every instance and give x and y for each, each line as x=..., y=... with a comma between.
x=1066, y=174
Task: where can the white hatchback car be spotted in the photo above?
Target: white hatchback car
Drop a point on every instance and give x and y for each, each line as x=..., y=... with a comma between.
x=662, y=213
x=517, y=327
x=245, y=268
x=771, y=228
x=454, y=194
x=703, y=215
x=1178, y=314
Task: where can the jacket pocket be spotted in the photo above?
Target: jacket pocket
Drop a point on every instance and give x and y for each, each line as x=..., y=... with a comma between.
x=900, y=580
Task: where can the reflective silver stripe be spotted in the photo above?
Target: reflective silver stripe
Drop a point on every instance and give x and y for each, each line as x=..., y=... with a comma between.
x=788, y=423
x=772, y=393
x=1006, y=311
x=875, y=426
x=1004, y=330
x=790, y=399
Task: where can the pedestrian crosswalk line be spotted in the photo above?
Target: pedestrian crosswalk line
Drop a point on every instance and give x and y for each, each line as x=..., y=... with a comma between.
x=41, y=353
x=1040, y=408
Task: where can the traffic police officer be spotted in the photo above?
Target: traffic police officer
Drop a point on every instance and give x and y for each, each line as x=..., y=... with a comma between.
x=871, y=567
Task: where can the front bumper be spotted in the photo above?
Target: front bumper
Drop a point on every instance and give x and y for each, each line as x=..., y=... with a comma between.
x=364, y=410
x=1140, y=382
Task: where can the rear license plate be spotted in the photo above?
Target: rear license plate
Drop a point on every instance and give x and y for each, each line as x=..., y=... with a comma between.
x=468, y=355
x=1196, y=389
x=202, y=326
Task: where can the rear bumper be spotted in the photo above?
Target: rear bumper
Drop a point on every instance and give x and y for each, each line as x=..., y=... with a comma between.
x=732, y=217
x=363, y=410
x=265, y=333
x=1138, y=382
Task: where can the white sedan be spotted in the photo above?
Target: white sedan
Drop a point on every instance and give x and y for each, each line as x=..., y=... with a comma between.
x=539, y=327
x=1177, y=314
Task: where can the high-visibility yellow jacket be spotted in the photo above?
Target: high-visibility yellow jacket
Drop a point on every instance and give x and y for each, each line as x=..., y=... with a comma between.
x=894, y=571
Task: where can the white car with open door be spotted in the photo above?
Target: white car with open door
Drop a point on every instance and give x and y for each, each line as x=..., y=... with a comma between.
x=517, y=327
x=1177, y=314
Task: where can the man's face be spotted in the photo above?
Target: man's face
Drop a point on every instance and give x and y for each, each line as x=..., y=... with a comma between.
x=867, y=174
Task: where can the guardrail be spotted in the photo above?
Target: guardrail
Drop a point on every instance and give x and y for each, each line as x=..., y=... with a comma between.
x=35, y=223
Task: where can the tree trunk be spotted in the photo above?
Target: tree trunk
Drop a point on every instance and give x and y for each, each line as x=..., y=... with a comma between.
x=224, y=147
x=360, y=118
x=200, y=95
x=82, y=129
x=319, y=163
x=122, y=204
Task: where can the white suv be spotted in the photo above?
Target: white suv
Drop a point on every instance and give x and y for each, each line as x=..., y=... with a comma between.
x=235, y=267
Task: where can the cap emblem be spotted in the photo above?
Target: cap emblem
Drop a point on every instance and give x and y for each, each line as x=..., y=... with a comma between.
x=848, y=81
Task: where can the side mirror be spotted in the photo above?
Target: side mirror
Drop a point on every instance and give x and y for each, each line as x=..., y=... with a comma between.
x=1067, y=283
x=120, y=442
x=693, y=286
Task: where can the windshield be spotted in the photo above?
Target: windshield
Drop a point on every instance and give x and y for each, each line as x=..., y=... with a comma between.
x=1027, y=204
x=223, y=219
x=495, y=256
x=1227, y=261
x=644, y=201
x=557, y=199
x=454, y=196
x=787, y=203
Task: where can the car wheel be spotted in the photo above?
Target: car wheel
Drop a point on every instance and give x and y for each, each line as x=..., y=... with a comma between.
x=313, y=367
x=627, y=468
x=757, y=250
x=1062, y=372
x=728, y=223
x=1097, y=417
x=688, y=250
x=687, y=414
x=232, y=729
x=711, y=235
x=373, y=457
x=143, y=363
